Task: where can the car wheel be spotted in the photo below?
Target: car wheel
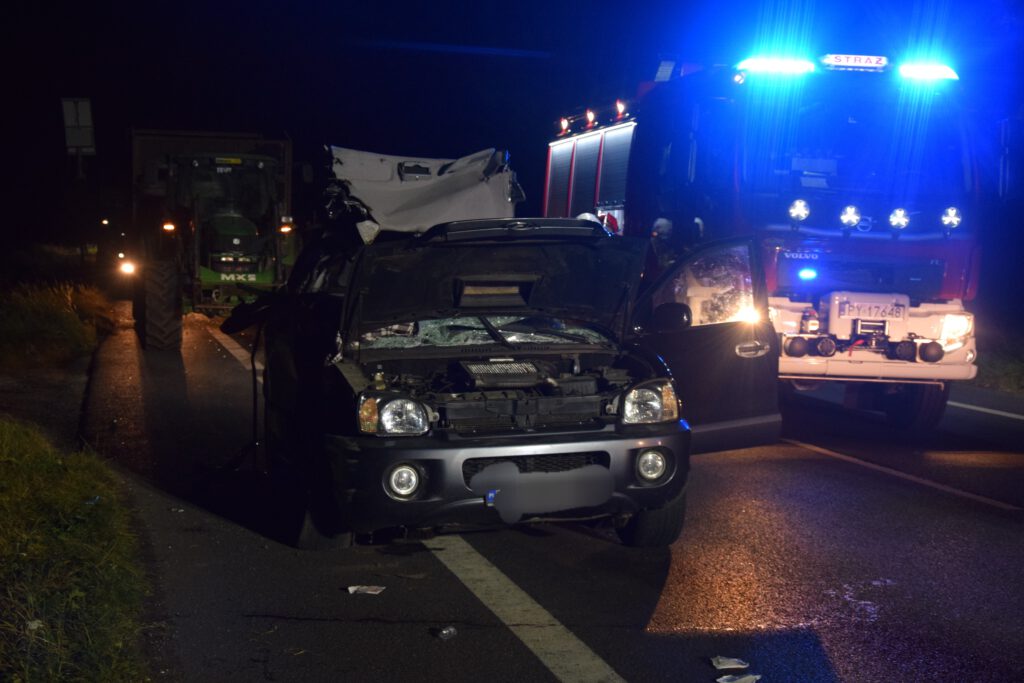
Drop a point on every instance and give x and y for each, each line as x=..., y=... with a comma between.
x=304, y=509
x=655, y=528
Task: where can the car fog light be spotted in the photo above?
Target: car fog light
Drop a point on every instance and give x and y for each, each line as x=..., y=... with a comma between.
x=404, y=481
x=931, y=352
x=651, y=465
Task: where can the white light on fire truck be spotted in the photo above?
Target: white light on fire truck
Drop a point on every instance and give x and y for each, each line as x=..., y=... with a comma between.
x=591, y=116
x=799, y=210
x=168, y=227
x=928, y=72
x=564, y=123
x=951, y=217
x=850, y=217
x=807, y=274
x=956, y=327
x=775, y=65
x=899, y=219
x=620, y=107
x=120, y=254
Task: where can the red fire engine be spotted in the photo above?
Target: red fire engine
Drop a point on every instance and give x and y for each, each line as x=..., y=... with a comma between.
x=856, y=176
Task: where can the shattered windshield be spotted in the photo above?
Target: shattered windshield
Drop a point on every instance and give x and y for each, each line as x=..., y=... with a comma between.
x=482, y=330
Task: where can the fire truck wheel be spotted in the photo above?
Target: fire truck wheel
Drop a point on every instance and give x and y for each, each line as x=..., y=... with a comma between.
x=162, y=317
x=655, y=528
x=916, y=407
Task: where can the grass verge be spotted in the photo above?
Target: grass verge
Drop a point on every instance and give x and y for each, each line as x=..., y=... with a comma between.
x=71, y=587
x=1000, y=361
x=43, y=325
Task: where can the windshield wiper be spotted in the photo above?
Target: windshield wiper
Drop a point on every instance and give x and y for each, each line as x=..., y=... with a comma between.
x=494, y=333
x=524, y=326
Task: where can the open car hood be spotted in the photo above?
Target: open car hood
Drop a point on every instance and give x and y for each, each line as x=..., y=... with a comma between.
x=406, y=194
x=547, y=267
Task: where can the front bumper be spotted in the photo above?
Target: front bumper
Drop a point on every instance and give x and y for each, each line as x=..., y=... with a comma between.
x=862, y=364
x=458, y=488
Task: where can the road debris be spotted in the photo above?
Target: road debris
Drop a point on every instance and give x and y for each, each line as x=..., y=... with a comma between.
x=368, y=590
x=447, y=633
x=176, y=509
x=745, y=678
x=729, y=663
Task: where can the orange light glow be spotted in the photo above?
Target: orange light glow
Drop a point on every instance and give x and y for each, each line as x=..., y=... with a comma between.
x=168, y=227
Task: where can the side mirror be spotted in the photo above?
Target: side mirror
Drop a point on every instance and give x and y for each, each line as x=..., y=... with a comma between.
x=671, y=317
x=245, y=315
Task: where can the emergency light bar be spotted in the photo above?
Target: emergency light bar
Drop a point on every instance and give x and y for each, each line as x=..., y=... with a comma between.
x=928, y=72
x=775, y=65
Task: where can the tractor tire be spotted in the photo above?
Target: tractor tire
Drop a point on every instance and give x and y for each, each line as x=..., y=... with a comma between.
x=655, y=528
x=916, y=407
x=160, y=328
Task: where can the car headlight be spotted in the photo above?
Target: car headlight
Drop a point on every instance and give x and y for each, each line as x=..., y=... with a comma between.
x=651, y=403
x=401, y=416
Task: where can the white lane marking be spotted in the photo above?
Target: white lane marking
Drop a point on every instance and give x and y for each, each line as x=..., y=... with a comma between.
x=990, y=411
x=909, y=477
x=241, y=354
x=565, y=655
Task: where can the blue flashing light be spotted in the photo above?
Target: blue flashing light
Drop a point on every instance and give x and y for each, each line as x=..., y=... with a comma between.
x=776, y=65
x=928, y=72
x=807, y=274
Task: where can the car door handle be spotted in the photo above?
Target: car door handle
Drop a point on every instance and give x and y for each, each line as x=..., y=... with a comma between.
x=754, y=349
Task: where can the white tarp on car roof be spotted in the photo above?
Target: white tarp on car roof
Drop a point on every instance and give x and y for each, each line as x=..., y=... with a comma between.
x=407, y=194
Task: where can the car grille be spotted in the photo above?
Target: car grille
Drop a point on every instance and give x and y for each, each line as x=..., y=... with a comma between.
x=504, y=423
x=560, y=462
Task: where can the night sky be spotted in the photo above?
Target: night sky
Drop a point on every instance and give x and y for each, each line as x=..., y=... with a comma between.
x=430, y=79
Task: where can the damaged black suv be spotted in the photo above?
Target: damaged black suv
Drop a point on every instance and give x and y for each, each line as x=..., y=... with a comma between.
x=474, y=375
x=480, y=373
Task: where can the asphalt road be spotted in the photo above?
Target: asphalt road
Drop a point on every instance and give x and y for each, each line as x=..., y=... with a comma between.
x=848, y=552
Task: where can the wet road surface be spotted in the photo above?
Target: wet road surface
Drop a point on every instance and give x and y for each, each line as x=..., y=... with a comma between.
x=810, y=567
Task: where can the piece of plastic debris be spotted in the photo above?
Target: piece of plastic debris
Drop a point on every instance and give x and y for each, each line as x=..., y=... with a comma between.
x=745, y=678
x=368, y=590
x=177, y=509
x=93, y=500
x=33, y=625
x=728, y=663
x=447, y=633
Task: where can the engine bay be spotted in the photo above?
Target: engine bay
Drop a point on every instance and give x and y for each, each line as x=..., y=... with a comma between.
x=497, y=394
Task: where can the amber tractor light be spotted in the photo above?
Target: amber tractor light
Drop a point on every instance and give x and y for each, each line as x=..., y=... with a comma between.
x=168, y=227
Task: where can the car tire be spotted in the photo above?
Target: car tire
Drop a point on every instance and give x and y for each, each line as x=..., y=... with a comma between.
x=655, y=528
x=916, y=407
x=304, y=512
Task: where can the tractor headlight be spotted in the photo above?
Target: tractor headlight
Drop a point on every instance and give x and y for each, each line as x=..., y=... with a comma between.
x=651, y=403
x=394, y=416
